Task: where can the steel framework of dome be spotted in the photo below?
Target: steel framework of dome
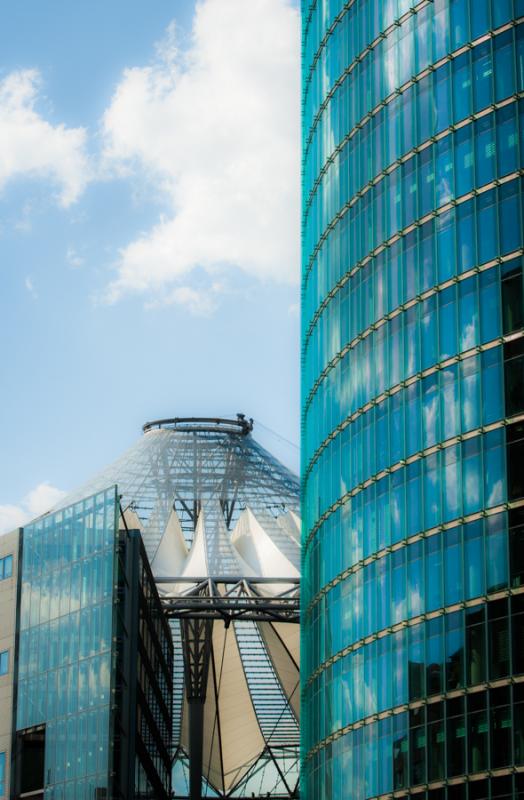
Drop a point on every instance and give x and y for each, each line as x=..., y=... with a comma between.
x=219, y=520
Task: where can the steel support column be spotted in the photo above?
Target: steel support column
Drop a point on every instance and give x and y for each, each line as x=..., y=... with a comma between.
x=196, y=639
x=196, y=735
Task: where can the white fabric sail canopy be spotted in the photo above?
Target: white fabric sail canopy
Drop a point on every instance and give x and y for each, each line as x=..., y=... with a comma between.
x=234, y=734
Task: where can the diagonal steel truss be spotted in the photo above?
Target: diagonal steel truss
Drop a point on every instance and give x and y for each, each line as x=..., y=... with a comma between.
x=273, y=755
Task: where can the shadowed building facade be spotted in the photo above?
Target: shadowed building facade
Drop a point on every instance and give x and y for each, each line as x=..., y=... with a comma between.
x=413, y=399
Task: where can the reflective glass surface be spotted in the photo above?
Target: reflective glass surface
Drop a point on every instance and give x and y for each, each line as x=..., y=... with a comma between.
x=4, y=662
x=65, y=645
x=413, y=394
x=6, y=567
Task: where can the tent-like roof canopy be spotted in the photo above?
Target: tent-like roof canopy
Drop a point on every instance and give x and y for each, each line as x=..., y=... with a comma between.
x=213, y=504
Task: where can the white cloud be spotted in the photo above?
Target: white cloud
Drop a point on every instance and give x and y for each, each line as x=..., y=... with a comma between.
x=24, y=224
x=28, y=283
x=42, y=498
x=216, y=129
x=73, y=258
x=11, y=517
x=201, y=302
x=36, y=502
x=32, y=146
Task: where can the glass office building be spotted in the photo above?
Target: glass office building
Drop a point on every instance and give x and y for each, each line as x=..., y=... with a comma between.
x=413, y=399
x=94, y=661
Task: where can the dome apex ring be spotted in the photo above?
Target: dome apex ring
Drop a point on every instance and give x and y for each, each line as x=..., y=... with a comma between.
x=240, y=425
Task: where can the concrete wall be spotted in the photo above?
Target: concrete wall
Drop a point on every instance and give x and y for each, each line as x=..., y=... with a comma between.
x=8, y=546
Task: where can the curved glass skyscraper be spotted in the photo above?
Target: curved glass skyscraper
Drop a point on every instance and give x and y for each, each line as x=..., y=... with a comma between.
x=413, y=399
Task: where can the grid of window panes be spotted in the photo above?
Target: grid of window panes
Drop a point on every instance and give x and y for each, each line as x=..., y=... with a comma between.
x=412, y=376
x=65, y=645
x=154, y=689
x=6, y=567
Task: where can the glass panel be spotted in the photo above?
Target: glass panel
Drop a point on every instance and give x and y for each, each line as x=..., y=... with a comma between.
x=475, y=646
x=474, y=559
x=453, y=566
x=512, y=296
x=4, y=662
x=478, y=741
x=454, y=650
x=2, y=774
x=456, y=738
x=8, y=566
x=62, y=679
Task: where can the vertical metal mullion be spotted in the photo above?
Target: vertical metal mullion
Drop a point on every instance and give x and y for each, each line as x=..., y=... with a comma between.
x=486, y=678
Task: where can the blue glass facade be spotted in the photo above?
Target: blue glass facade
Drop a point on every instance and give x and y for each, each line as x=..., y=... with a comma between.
x=94, y=665
x=66, y=654
x=413, y=398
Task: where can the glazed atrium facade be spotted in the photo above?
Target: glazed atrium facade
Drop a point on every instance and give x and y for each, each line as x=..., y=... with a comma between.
x=93, y=661
x=413, y=399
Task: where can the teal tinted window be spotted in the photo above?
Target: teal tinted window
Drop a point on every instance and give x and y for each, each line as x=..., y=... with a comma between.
x=2, y=774
x=65, y=648
x=4, y=662
x=6, y=567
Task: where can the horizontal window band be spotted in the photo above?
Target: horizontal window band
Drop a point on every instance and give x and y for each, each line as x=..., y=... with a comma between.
x=471, y=777
x=428, y=451
x=404, y=543
x=406, y=157
x=397, y=23
x=413, y=706
x=417, y=456
x=401, y=89
x=399, y=234
x=377, y=325
x=410, y=623
x=374, y=401
x=404, y=232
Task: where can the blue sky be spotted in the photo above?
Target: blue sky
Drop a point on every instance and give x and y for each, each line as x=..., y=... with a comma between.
x=148, y=228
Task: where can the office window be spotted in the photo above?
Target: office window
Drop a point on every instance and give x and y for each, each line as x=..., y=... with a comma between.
x=2, y=774
x=6, y=567
x=4, y=662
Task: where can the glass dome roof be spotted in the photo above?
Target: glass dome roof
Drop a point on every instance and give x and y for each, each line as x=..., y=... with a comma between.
x=190, y=464
x=212, y=502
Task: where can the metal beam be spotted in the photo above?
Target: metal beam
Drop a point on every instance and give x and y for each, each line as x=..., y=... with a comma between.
x=229, y=579
x=237, y=598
